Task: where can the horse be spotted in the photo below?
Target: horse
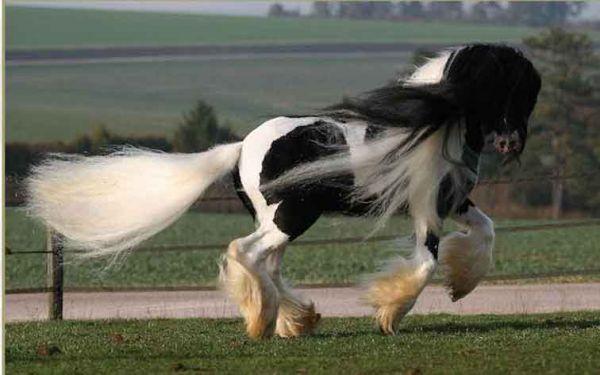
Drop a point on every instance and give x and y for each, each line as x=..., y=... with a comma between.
x=411, y=146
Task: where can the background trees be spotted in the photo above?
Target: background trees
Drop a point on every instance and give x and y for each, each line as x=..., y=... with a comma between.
x=530, y=13
x=200, y=130
x=548, y=13
x=564, y=131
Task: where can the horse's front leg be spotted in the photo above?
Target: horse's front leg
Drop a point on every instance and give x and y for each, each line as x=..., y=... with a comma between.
x=394, y=291
x=465, y=257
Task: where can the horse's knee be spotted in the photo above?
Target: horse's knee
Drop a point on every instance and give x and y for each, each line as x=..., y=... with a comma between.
x=256, y=248
x=486, y=229
x=478, y=223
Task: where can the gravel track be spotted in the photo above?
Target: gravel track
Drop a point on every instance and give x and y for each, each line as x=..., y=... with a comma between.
x=338, y=302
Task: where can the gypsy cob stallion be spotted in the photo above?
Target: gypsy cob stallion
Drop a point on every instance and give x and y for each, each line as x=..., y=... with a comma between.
x=411, y=146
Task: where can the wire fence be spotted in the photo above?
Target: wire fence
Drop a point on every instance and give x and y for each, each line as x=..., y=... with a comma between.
x=19, y=198
x=327, y=241
x=168, y=288
x=508, y=180
x=54, y=252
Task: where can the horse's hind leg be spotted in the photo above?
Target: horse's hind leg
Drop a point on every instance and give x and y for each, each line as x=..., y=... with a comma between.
x=295, y=317
x=245, y=278
x=394, y=291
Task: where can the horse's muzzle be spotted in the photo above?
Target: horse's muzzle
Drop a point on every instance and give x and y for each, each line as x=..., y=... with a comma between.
x=506, y=143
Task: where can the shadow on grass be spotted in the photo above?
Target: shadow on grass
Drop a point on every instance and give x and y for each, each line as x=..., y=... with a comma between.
x=342, y=335
x=416, y=327
x=546, y=324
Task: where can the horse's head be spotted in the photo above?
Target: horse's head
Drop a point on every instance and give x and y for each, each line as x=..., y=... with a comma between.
x=497, y=87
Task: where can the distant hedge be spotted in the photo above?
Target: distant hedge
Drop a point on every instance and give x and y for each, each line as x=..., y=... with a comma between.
x=19, y=156
x=198, y=130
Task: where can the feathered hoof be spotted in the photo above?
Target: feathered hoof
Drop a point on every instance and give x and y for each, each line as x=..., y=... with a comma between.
x=456, y=289
x=463, y=264
x=255, y=294
x=457, y=281
x=259, y=326
x=394, y=293
x=388, y=317
x=390, y=307
x=296, y=319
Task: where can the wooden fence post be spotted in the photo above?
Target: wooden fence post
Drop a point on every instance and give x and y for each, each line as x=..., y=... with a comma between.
x=55, y=274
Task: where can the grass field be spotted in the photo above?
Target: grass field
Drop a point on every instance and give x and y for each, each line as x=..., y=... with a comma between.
x=59, y=102
x=44, y=28
x=435, y=344
x=569, y=249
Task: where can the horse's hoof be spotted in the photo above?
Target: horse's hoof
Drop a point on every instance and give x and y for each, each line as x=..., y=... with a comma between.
x=296, y=319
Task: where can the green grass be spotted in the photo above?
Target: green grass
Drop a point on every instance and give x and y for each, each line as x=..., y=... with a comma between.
x=434, y=344
x=59, y=102
x=569, y=249
x=45, y=28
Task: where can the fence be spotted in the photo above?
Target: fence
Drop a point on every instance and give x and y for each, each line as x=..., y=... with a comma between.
x=54, y=252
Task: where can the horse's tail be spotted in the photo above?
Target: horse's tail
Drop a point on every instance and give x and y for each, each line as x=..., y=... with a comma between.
x=105, y=205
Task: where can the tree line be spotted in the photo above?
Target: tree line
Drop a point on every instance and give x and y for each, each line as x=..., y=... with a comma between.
x=530, y=13
x=564, y=134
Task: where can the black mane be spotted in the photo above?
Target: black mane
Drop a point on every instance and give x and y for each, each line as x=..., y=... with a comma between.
x=397, y=105
x=485, y=84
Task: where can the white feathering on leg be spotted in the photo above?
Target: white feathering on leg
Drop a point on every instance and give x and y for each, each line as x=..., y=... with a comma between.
x=253, y=291
x=394, y=291
x=465, y=258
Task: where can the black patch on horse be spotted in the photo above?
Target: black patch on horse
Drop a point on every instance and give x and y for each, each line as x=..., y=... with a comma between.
x=301, y=205
x=373, y=131
x=464, y=207
x=432, y=242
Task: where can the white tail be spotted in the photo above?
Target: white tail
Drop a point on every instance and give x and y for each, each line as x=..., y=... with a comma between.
x=107, y=204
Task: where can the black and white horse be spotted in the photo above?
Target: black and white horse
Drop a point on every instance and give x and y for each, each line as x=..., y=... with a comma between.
x=412, y=146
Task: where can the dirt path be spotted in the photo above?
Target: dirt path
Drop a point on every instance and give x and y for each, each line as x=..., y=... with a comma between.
x=496, y=299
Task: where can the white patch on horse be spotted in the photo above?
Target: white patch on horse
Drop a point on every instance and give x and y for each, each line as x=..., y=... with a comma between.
x=431, y=72
x=355, y=137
